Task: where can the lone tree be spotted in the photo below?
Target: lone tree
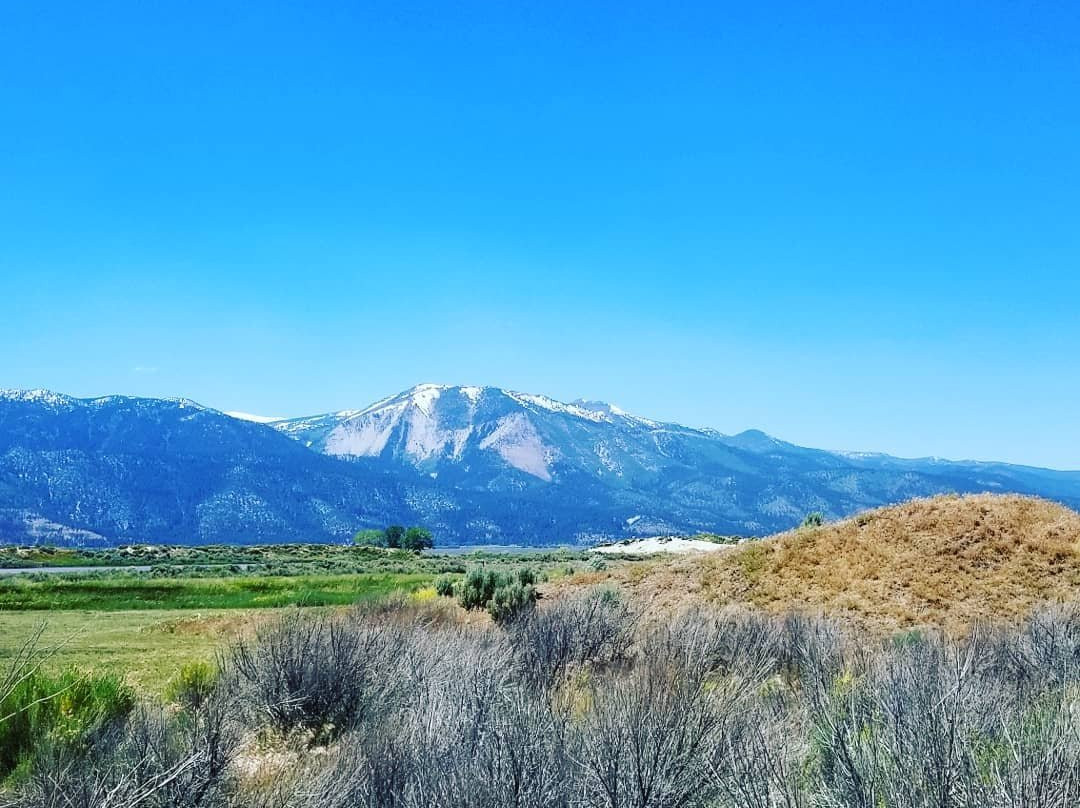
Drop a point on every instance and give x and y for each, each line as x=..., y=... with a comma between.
x=417, y=539
x=394, y=535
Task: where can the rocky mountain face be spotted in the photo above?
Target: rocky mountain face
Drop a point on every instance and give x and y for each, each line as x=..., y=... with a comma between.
x=476, y=464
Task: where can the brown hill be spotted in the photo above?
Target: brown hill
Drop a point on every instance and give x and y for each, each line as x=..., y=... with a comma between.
x=946, y=561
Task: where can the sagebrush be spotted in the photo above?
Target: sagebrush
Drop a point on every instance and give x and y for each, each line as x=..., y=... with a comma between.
x=585, y=703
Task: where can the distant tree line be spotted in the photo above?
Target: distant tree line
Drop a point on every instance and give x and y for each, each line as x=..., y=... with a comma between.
x=396, y=537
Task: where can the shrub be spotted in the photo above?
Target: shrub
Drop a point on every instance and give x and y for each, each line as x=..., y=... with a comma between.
x=815, y=519
x=66, y=710
x=479, y=587
x=192, y=685
x=504, y=596
x=322, y=673
x=444, y=586
x=510, y=600
x=577, y=705
x=594, y=629
x=155, y=759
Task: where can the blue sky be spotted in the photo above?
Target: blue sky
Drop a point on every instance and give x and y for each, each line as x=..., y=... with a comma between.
x=852, y=225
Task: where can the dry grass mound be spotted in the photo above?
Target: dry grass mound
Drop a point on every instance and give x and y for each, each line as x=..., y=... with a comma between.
x=947, y=562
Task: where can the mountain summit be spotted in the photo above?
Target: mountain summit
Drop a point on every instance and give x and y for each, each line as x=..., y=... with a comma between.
x=475, y=464
x=435, y=428
x=632, y=474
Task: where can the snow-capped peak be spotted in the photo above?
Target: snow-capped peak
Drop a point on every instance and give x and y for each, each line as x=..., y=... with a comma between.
x=424, y=396
x=551, y=405
x=432, y=424
x=49, y=398
x=613, y=412
x=38, y=396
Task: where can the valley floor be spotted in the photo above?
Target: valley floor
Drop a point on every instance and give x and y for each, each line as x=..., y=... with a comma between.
x=145, y=622
x=145, y=647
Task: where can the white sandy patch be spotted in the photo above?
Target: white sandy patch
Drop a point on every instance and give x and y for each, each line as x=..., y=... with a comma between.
x=660, y=544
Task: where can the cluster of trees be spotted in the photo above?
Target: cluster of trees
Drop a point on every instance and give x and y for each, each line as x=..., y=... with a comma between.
x=396, y=537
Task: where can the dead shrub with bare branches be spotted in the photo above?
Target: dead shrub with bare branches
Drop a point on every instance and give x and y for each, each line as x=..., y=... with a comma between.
x=583, y=705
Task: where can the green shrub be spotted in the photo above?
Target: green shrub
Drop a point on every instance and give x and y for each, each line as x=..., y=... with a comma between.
x=479, y=587
x=66, y=710
x=511, y=600
x=192, y=685
x=444, y=586
x=815, y=519
x=503, y=595
x=526, y=577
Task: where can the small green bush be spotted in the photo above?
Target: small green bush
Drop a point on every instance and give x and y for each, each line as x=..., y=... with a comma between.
x=503, y=595
x=444, y=586
x=815, y=519
x=510, y=600
x=66, y=710
x=526, y=577
x=479, y=587
x=192, y=685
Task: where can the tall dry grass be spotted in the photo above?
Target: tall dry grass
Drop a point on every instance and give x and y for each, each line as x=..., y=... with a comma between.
x=943, y=562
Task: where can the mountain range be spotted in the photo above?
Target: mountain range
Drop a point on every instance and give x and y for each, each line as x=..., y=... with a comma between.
x=478, y=465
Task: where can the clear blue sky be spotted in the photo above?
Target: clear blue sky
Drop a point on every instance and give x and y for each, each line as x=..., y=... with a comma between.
x=852, y=225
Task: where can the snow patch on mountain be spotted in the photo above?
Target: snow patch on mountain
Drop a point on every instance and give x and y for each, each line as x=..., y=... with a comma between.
x=551, y=405
x=257, y=419
x=607, y=458
x=613, y=413
x=424, y=396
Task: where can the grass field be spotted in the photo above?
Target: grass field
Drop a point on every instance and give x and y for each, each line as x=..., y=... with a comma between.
x=144, y=626
x=133, y=592
x=146, y=648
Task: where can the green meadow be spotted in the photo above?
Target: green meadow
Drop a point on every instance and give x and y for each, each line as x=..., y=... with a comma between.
x=145, y=625
x=121, y=592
